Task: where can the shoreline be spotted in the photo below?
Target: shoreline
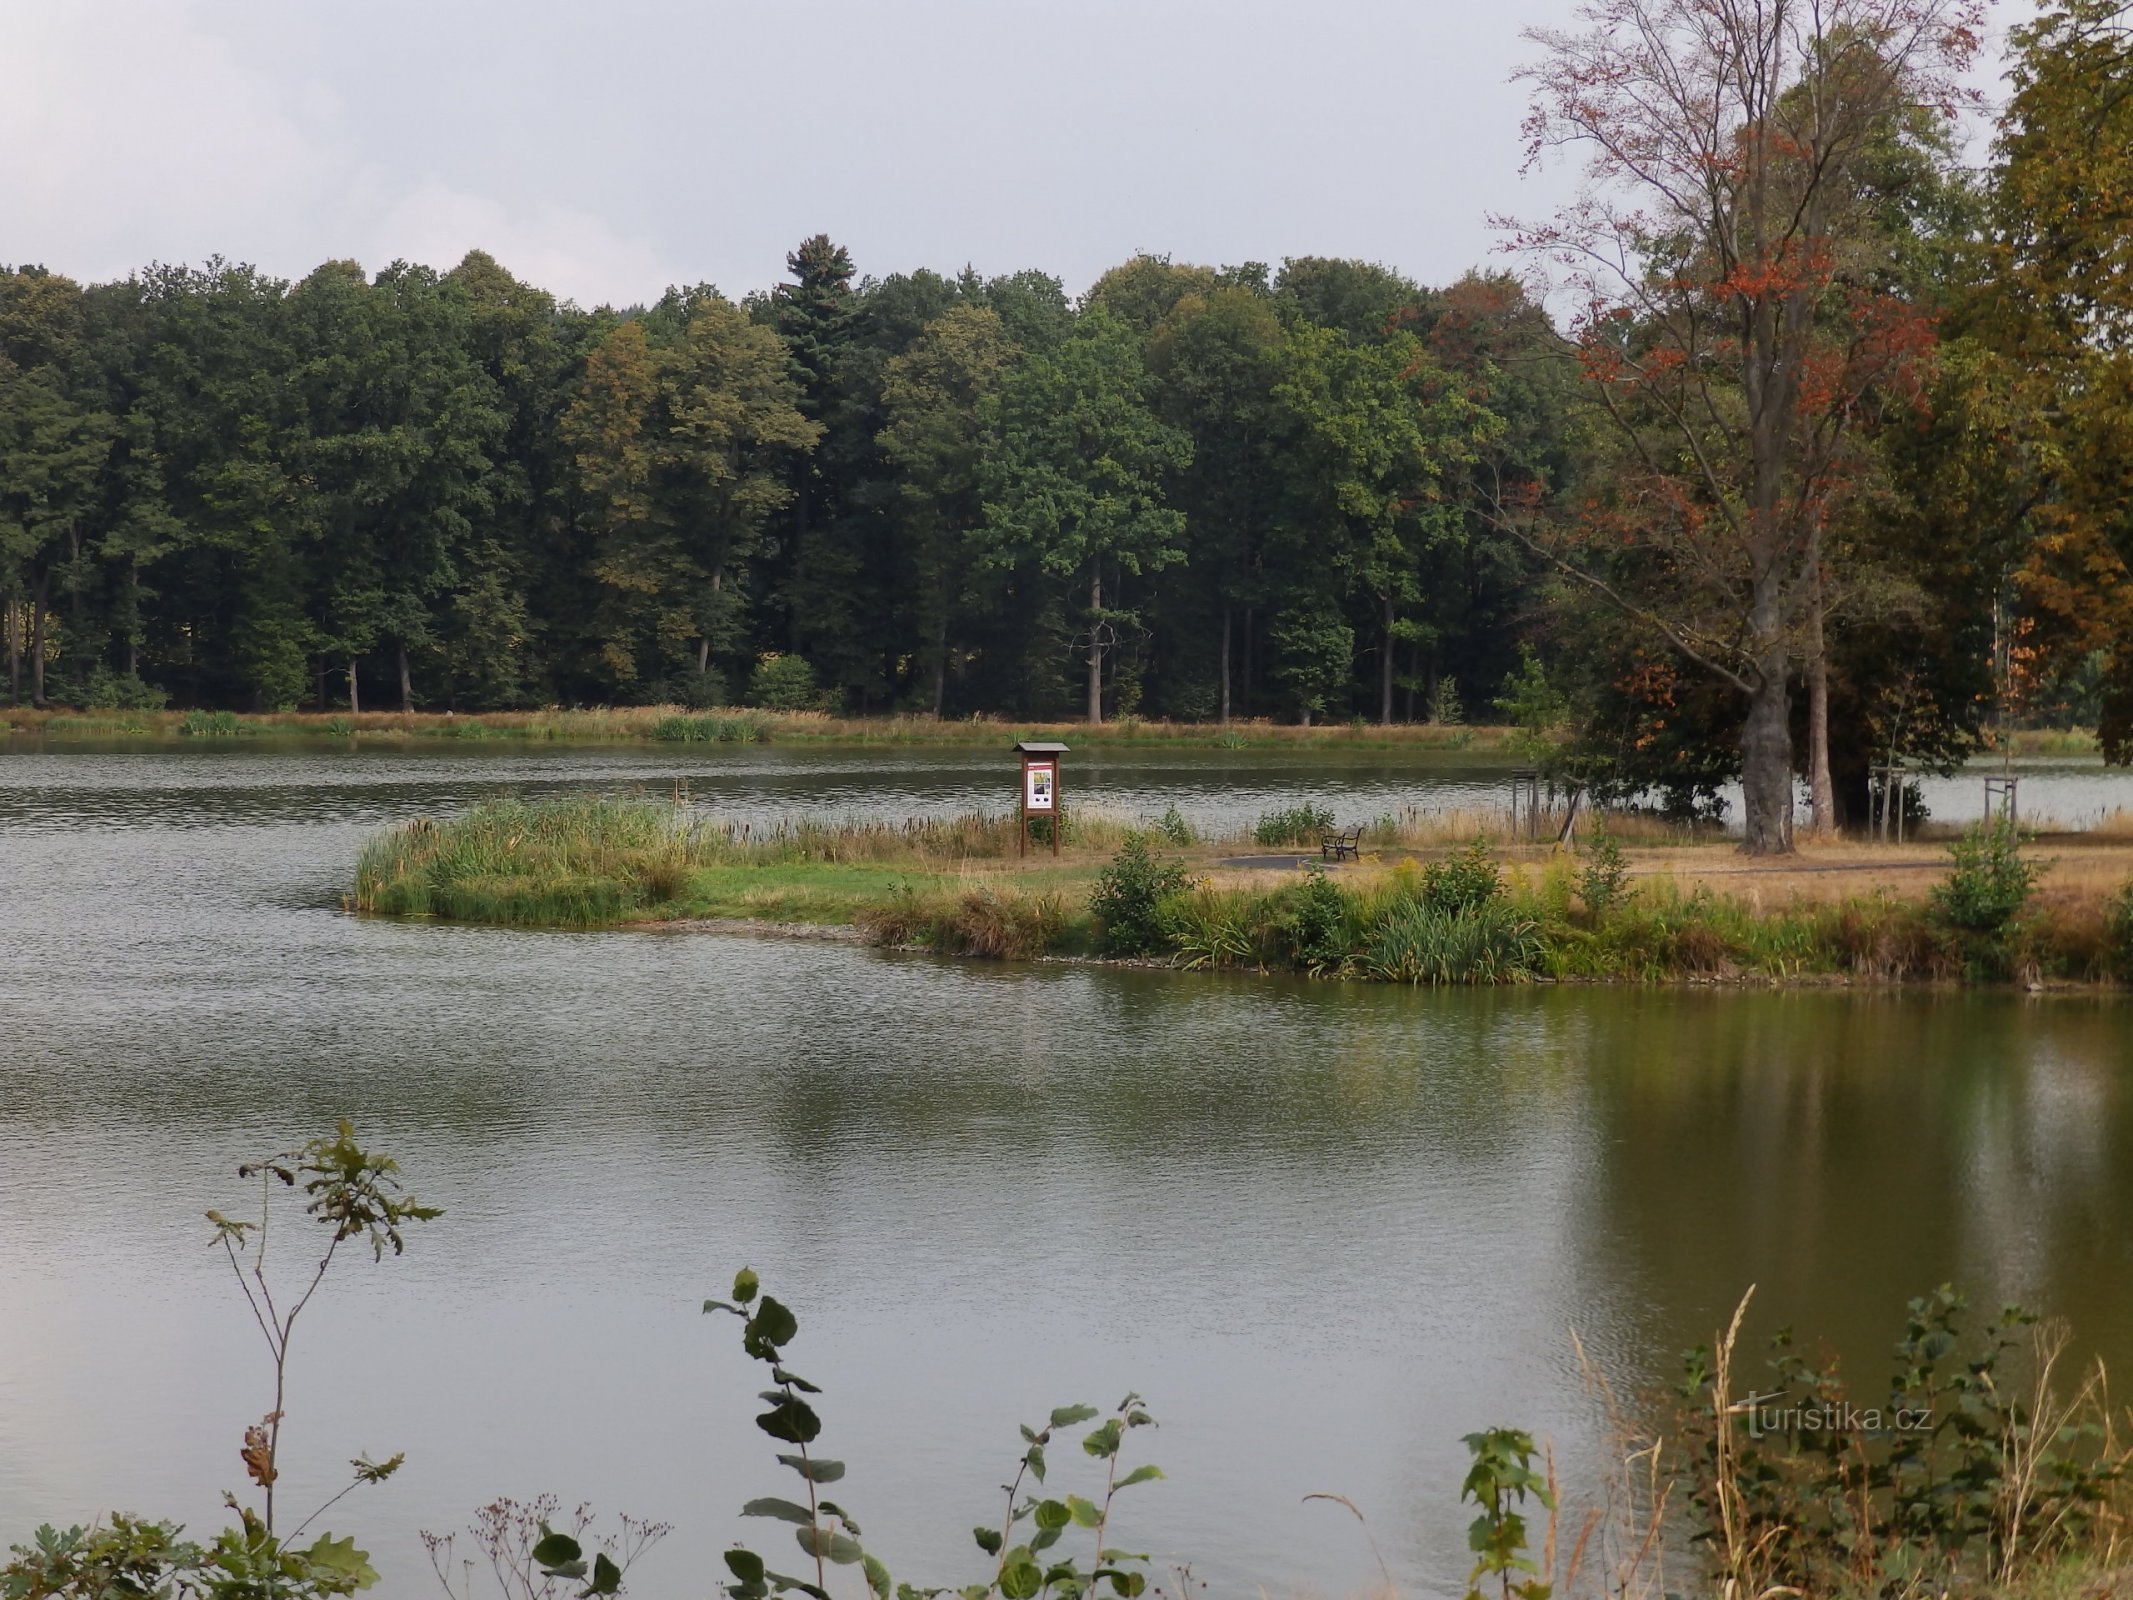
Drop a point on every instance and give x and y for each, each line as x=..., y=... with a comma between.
x=851, y=934
x=670, y=724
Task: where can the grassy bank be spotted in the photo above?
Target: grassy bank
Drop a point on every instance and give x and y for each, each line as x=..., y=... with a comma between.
x=1642, y=903
x=739, y=725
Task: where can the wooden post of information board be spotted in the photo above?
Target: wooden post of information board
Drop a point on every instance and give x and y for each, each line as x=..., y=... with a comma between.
x=1040, y=790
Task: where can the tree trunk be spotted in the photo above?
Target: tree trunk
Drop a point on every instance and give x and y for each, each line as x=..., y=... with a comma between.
x=37, y=641
x=355, y=699
x=940, y=666
x=1385, y=670
x=1821, y=786
x=1766, y=763
x=1247, y=660
x=322, y=684
x=1096, y=644
x=407, y=684
x=1225, y=663
x=14, y=650
x=703, y=655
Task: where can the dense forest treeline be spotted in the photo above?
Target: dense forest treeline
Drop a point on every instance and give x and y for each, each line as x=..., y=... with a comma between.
x=1802, y=488
x=940, y=494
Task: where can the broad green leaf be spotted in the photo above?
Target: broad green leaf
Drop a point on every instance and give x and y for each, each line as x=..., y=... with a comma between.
x=1044, y=1538
x=1067, y=1416
x=780, y=1375
x=792, y=1421
x=877, y=1576
x=554, y=1548
x=1103, y=1442
x=745, y=1284
x=783, y=1510
x=815, y=1469
x=745, y=1565
x=341, y=1558
x=1020, y=1580
x=1053, y=1514
x=1128, y=1584
x=1142, y=1474
x=1035, y=1458
x=1086, y=1512
x=988, y=1539
x=771, y=1326
x=841, y=1548
x=606, y=1578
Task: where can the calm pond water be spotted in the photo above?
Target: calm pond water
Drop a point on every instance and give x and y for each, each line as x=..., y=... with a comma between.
x=1325, y=1230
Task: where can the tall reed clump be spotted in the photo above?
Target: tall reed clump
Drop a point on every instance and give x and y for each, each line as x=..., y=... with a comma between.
x=987, y=921
x=739, y=727
x=573, y=862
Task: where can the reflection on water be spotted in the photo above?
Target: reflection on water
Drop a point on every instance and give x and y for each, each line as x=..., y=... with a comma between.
x=1326, y=1230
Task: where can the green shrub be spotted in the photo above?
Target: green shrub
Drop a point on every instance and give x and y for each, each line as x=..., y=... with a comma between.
x=1314, y=928
x=695, y=691
x=1174, y=828
x=1988, y=883
x=1128, y=897
x=1488, y=942
x=1981, y=900
x=105, y=690
x=1445, y=707
x=1466, y=878
x=1603, y=884
x=341, y=727
x=1298, y=824
x=784, y=683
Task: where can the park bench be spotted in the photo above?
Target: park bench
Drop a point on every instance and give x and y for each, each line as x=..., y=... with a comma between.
x=1333, y=846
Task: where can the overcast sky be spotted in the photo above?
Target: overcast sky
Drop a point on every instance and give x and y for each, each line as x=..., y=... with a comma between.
x=605, y=151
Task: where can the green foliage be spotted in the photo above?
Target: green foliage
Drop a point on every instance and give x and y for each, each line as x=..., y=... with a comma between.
x=1445, y=707
x=1966, y=1470
x=1501, y=1479
x=1535, y=707
x=1128, y=895
x=128, y=1557
x=737, y=728
x=105, y=690
x=1603, y=882
x=214, y=724
x=828, y=1535
x=2118, y=930
x=1175, y=829
x=1982, y=899
x=1314, y=924
x=1988, y=882
x=1298, y=824
x=1466, y=879
x=784, y=683
x=1484, y=943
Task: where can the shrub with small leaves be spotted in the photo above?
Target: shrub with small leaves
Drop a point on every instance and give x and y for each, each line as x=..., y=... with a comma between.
x=1501, y=1479
x=1128, y=893
x=1315, y=928
x=1175, y=829
x=1297, y=824
x=1466, y=878
x=1603, y=882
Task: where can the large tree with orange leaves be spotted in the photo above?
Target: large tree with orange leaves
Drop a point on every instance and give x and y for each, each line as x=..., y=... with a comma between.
x=2060, y=313
x=1727, y=329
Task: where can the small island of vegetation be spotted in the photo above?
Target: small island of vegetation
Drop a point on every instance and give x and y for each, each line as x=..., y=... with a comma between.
x=1450, y=899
